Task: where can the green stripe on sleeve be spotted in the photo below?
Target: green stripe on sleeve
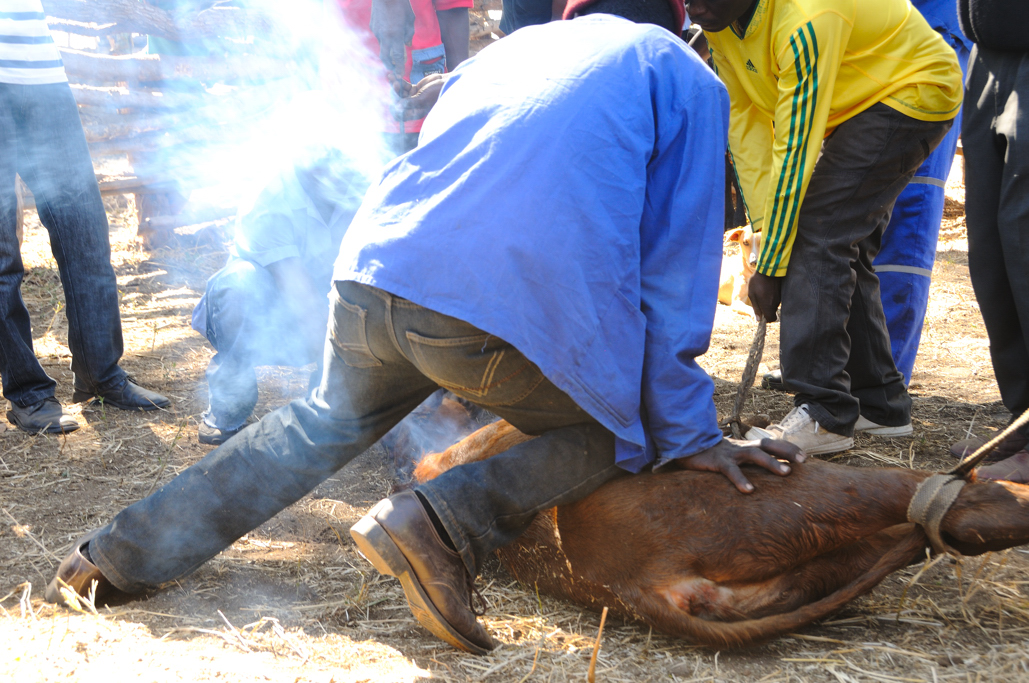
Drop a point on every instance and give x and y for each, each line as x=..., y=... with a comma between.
x=775, y=226
x=810, y=54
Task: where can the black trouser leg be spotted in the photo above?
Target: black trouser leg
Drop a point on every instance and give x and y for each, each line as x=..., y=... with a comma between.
x=995, y=135
x=834, y=346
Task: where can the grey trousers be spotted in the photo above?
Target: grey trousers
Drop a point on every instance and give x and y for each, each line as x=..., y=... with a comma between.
x=995, y=136
x=834, y=346
x=383, y=356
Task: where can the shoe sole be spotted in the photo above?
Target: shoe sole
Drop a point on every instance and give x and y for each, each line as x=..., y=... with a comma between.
x=756, y=434
x=216, y=440
x=834, y=447
x=378, y=547
x=903, y=430
x=81, y=396
x=51, y=428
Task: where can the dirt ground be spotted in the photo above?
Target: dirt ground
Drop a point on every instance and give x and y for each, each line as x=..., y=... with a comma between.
x=293, y=601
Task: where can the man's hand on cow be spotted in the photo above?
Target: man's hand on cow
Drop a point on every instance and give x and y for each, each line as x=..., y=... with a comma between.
x=765, y=293
x=415, y=100
x=392, y=24
x=727, y=456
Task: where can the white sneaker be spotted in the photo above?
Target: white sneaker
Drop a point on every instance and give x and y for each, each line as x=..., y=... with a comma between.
x=868, y=427
x=801, y=430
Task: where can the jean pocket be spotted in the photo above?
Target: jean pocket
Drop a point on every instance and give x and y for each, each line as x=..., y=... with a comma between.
x=348, y=334
x=482, y=368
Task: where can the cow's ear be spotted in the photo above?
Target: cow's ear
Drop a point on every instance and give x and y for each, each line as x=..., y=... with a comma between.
x=736, y=234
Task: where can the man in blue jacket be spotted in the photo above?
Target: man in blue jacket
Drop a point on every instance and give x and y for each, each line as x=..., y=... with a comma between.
x=551, y=252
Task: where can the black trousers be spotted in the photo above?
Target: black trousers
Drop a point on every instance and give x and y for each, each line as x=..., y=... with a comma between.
x=995, y=135
x=834, y=346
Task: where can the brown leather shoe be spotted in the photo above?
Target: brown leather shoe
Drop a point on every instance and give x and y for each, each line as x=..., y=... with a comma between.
x=399, y=539
x=78, y=574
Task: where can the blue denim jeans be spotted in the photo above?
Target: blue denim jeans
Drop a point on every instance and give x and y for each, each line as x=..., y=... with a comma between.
x=383, y=356
x=41, y=140
x=250, y=322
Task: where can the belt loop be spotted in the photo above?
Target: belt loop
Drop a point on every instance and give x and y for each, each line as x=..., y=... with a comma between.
x=388, y=304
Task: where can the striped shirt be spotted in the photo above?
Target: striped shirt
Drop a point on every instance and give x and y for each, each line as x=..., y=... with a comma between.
x=28, y=55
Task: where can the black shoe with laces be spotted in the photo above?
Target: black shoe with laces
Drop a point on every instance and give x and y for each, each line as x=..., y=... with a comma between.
x=46, y=417
x=126, y=396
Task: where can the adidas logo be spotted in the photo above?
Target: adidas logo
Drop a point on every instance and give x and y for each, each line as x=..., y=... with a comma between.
x=751, y=67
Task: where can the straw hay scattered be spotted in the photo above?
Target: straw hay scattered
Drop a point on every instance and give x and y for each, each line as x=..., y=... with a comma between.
x=293, y=601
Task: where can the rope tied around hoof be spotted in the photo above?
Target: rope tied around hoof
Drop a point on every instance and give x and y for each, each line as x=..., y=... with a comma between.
x=931, y=501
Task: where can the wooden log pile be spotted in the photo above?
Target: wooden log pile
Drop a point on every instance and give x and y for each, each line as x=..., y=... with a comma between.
x=155, y=109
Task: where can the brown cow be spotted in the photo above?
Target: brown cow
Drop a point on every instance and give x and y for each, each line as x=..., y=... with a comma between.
x=684, y=552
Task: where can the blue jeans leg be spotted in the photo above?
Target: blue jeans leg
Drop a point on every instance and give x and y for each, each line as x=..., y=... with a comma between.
x=373, y=377
x=249, y=323
x=41, y=132
x=54, y=161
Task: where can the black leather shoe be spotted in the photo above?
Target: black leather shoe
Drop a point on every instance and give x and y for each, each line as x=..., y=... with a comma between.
x=399, y=539
x=212, y=436
x=46, y=417
x=126, y=396
x=77, y=573
x=773, y=380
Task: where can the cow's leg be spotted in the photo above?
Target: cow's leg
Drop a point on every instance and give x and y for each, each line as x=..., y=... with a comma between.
x=491, y=440
x=876, y=558
x=697, y=523
x=799, y=586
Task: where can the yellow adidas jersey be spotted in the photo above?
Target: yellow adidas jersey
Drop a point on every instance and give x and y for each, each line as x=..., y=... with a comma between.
x=803, y=67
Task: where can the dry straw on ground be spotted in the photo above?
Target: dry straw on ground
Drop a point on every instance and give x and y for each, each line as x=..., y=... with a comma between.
x=293, y=601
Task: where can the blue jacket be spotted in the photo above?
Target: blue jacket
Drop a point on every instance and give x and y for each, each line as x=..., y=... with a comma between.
x=567, y=196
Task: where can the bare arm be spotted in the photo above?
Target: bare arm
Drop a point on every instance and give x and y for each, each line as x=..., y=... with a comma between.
x=453, y=29
x=392, y=24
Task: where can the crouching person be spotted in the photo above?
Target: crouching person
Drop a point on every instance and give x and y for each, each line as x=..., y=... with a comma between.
x=267, y=306
x=549, y=252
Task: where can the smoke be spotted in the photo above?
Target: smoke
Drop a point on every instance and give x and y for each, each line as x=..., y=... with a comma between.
x=438, y=423
x=224, y=112
x=335, y=99
x=295, y=81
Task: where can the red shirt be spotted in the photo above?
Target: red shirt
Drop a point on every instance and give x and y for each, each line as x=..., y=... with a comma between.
x=357, y=15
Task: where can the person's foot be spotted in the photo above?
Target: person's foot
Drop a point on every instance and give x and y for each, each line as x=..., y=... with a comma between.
x=46, y=417
x=866, y=426
x=799, y=428
x=1014, y=469
x=399, y=539
x=77, y=573
x=212, y=436
x=1013, y=443
x=126, y=396
x=773, y=381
